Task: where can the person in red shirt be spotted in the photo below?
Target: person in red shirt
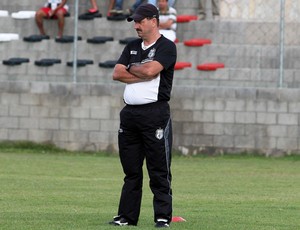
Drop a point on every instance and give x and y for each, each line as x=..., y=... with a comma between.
x=53, y=9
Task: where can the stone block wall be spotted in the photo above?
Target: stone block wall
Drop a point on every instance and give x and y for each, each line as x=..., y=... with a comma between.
x=219, y=120
x=210, y=120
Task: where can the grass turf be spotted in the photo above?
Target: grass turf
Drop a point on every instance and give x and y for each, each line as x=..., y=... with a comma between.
x=80, y=191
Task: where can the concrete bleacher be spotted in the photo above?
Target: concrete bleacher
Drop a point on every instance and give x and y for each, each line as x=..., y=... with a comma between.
x=211, y=111
x=250, y=56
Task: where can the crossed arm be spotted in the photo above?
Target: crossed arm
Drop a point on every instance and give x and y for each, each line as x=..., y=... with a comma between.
x=137, y=72
x=166, y=25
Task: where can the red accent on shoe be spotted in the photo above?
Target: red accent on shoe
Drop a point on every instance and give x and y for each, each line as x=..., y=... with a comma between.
x=92, y=10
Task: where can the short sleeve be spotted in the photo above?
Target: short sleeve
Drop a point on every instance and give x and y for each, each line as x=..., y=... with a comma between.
x=166, y=54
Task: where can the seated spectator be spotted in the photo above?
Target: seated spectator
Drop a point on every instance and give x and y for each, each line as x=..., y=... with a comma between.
x=167, y=20
x=135, y=5
x=91, y=13
x=53, y=9
x=116, y=7
x=94, y=8
x=214, y=6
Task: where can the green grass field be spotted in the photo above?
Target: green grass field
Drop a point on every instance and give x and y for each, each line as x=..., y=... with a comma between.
x=81, y=191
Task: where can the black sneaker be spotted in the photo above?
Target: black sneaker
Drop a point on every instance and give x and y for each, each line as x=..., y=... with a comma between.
x=119, y=221
x=162, y=223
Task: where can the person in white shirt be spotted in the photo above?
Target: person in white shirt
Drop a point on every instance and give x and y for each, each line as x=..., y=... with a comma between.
x=53, y=9
x=167, y=20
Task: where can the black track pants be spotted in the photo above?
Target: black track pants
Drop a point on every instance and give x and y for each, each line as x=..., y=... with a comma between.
x=146, y=132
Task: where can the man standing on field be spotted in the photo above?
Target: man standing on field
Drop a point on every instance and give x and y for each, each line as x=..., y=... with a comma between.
x=146, y=66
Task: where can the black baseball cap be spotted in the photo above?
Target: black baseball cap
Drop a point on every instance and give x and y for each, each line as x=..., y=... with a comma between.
x=144, y=11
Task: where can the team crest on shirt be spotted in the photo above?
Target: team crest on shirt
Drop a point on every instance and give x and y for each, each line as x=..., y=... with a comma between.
x=151, y=53
x=150, y=56
x=159, y=134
